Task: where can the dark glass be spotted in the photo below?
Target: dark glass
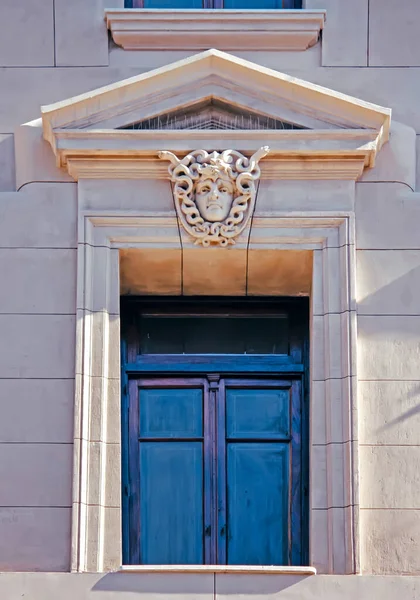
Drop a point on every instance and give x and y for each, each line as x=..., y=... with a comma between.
x=172, y=4
x=210, y=334
x=254, y=4
x=245, y=4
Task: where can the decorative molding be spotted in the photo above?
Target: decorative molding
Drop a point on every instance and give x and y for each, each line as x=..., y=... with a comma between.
x=294, y=154
x=230, y=569
x=214, y=194
x=334, y=518
x=142, y=29
x=342, y=137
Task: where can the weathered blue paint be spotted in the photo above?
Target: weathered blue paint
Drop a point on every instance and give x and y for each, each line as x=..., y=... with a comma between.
x=168, y=469
x=125, y=439
x=213, y=364
x=261, y=413
x=171, y=413
x=257, y=503
x=232, y=449
x=234, y=441
x=171, y=503
x=257, y=413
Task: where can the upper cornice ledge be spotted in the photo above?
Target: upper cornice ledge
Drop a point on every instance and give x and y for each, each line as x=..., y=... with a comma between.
x=142, y=29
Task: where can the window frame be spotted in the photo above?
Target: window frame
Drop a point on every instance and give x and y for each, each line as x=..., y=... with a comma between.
x=287, y=369
x=218, y=4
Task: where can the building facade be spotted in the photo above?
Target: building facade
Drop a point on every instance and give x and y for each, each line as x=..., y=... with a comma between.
x=209, y=374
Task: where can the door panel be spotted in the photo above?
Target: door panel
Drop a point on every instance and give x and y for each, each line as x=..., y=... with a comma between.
x=258, y=413
x=168, y=470
x=257, y=503
x=259, y=471
x=171, y=503
x=171, y=413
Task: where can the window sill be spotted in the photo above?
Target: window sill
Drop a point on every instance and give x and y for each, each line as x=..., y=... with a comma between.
x=230, y=569
x=160, y=29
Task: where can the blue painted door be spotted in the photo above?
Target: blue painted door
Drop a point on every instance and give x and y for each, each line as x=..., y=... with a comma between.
x=260, y=465
x=215, y=470
x=167, y=463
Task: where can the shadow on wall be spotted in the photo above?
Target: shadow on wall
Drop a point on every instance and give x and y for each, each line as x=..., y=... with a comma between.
x=185, y=585
x=388, y=330
x=414, y=394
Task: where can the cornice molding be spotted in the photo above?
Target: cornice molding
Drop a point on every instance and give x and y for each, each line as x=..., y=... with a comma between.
x=294, y=154
x=142, y=29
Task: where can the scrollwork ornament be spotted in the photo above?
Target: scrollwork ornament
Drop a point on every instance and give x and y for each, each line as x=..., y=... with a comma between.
x=214, y=192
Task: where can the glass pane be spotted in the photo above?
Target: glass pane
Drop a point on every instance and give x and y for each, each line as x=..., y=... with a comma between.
x=257, y=507
x=256, y=4
x=173, y=4
x=171, y=413
x=257, y=413
x=214, y=335
x=171, y=503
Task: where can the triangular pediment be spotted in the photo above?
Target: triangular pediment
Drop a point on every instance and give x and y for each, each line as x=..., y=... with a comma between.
x=221, y=76
x=210, y=100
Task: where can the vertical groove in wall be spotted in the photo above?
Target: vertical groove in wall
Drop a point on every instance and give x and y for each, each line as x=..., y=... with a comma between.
x=368, y=36
x=55, y=57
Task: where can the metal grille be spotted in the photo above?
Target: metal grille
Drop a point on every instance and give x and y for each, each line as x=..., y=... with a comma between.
x=212, y=115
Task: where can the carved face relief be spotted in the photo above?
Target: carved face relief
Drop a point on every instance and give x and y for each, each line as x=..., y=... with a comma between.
x=214, y=193
x=214, y=198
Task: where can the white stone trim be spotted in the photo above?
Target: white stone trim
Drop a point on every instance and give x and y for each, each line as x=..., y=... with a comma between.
x=294, y=154
x=142, y=29
x=334, y=462
x=230, y=569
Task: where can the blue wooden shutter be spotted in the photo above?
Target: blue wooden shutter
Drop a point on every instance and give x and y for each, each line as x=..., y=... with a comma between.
x=167, y=471
x=215, y=471
x=259, y=474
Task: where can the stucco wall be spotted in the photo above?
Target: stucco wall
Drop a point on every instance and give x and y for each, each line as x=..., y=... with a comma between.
x=52, y=50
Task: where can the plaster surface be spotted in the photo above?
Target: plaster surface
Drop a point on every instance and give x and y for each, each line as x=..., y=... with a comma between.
x=41, y=281
x=369, y=50
x=389, y=413
x=397, y=21
x=41, y=412
x=113, y=586
x=41, y=215
x=84, y=22
x=344, y=41
x=7, y=163
x=28, y=34
x=34, y=539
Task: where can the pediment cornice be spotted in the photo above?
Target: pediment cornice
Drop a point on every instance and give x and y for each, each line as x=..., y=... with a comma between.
x=341, y=134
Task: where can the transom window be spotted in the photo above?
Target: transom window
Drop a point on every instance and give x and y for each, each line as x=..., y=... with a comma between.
x=245, y=4
x=215, y=432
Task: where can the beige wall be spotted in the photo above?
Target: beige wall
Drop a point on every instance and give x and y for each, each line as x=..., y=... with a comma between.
x=54, y=50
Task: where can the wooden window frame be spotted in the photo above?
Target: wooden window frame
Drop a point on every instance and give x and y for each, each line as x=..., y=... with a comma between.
x=161, y=370
x=218, y=4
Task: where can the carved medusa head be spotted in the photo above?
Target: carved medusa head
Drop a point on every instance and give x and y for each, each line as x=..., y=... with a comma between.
x=214, y=193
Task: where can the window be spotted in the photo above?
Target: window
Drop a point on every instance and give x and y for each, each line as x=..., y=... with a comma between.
x=214, y=433
x=245, y=4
